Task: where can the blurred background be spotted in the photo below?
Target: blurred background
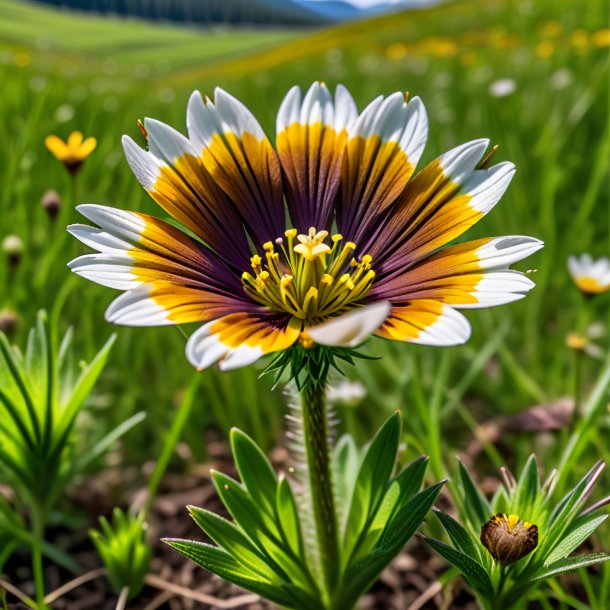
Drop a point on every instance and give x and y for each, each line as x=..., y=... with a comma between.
x=531, y=75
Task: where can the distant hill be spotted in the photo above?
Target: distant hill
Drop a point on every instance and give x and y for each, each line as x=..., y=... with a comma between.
x=233, y=12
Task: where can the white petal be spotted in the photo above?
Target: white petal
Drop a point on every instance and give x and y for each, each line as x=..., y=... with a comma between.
x=98, y=239
x=121, y=224
x=113, y=271
x=346, y=111
x=289, y=110
x=450, y=328
x=136, y=308
x=240, y=356
x=501, y=252
x=499, y=288
x=204, y=348
x=459, y=162
x=486, y=186
x=351, y=328
x=165, y=143
x=144, y=165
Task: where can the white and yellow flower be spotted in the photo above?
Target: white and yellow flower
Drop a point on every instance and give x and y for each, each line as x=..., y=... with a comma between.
x=590, y=276
x=328, y=238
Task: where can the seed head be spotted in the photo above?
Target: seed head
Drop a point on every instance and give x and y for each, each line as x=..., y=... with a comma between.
x=51, y=202
x=508, y=539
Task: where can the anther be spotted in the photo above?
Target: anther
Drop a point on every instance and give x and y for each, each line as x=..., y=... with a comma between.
x=268, y=245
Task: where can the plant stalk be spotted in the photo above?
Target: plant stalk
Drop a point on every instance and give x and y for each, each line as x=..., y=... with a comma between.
x=37, y=569
x=319, y=478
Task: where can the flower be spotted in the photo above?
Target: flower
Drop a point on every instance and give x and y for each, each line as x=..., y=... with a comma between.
x=502, y=87
x=73, y=152
x=508, y=539
x=12, y=246
x=261, y=284
x=51, y=202
x=586, y=341
x=590, y=276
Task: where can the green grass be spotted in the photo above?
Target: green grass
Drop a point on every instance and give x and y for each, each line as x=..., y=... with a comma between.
x=554, y=128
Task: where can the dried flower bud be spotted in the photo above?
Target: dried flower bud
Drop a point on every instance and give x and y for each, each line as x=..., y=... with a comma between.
x=9, y=321
x=508, y=539
x=12, y=246
x=51, y=202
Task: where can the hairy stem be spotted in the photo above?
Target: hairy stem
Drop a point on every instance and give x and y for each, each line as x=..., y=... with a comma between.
x=317, y=449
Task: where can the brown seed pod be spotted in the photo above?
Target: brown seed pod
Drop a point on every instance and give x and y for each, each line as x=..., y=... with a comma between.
x=508, y=539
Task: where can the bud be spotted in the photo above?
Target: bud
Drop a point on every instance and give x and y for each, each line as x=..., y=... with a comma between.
x=51, y=202
x=12, y=246
x=9, y=321
x=508, y=539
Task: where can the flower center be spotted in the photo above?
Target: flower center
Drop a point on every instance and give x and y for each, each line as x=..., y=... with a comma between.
x=306, y=277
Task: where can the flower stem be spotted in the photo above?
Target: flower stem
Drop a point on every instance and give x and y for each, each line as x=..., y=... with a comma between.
x=171, y=440
x=317, y=449
x=37, y=569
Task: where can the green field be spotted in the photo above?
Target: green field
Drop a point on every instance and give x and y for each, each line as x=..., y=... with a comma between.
x=62, y=72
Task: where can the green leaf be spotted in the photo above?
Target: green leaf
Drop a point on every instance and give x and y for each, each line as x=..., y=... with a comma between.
x=254, y=470
x=221, y=563
x=226, y=566
x=478, y=510
x=526, y=492
x=400, y=490
x=372, y=481
x=567, y=509
x=568, y=564
x=346, y=462
x=472, y=570
x=576, y=535
x=363, y=571
x=258, y=526
x=228, y=537
x=83, y=388
x=461, y=538
x=288, y=518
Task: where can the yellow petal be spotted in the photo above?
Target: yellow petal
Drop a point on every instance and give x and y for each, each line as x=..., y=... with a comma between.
x=75, y=139
x=86, y=148
x=57, y=147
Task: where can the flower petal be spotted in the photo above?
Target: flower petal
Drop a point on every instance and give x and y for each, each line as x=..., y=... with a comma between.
x=311, y=138
x=86, y=148
x=351, y=328
x=170, y=270
x=240, y=339
x=447, y=197
x=383, y=148
x=241, y=160
x=175, y=177
x=469, y=275
x=57, y=147
x=427, y=323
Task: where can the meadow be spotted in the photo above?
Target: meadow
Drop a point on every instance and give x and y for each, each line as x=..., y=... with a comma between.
x=531, y=76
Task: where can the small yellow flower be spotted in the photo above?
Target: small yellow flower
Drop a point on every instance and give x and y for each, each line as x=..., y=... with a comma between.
x=601, y=38
x=508, y=539
x=397, y=50
x=73, y=152
x=579, y=38
x=545, y=49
